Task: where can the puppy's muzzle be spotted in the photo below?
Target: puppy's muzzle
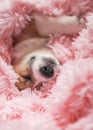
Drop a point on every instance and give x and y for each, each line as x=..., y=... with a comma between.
x=47, y=71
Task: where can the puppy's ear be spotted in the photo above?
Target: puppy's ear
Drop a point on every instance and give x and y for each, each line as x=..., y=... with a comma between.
x=23, y=83
x=25, y=79
x=59, y=24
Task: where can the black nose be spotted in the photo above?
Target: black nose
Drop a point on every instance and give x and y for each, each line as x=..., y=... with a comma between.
x=47, y=71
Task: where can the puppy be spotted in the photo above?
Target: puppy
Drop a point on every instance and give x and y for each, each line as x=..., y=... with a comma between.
x=33, y=61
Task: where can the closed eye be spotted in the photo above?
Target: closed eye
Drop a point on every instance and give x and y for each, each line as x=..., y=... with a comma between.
x=50, y=61
x=33, y=58
x=27, y=77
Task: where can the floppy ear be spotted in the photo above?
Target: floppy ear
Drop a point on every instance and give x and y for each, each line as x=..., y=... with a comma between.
x=59, y=24
x=23, y=83
x=25, y=79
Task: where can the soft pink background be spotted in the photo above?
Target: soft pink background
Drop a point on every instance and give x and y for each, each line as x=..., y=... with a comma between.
x=65, y=103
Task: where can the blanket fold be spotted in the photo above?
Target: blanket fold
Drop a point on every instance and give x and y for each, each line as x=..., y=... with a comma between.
x=64, y=103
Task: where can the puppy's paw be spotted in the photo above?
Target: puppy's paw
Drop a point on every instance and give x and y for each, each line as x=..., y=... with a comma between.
x=59, y=24
x=76, y=25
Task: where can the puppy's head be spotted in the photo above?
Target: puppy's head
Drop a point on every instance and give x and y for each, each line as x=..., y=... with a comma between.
x=43, y=63
x=33, y=58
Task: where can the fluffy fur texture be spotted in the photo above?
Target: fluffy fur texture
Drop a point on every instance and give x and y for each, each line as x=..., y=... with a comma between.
x=66, y=102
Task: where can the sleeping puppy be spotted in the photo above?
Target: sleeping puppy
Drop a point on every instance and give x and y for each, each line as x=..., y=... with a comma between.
x=33, y=61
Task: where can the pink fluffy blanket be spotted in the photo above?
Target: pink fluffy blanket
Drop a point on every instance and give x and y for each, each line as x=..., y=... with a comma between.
x=65, y=103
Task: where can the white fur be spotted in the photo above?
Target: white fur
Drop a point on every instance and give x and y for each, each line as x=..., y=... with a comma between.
x=39, y=62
